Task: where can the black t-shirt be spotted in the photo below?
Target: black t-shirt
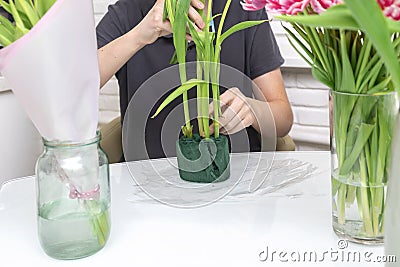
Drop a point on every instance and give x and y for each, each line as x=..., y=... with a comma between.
x=252, y=51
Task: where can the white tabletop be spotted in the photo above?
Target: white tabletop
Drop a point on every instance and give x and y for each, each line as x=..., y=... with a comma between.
x=290, y=221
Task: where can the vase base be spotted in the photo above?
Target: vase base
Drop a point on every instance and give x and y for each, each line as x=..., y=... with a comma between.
x=352, y=231
x=73, y=251
x=203, y=160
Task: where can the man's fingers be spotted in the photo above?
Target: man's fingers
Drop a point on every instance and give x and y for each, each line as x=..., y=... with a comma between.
x=226, y=98
x=230, y=118
x=195, y=17
x=240, y=121
x=237, y=113
x=212, y=128
x=197, y=4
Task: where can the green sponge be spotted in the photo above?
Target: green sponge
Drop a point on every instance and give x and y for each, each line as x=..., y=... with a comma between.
x=203, y=160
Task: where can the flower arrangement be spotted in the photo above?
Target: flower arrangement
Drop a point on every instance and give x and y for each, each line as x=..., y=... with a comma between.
x=354, y=50
x=208, y=57
x=208, y=48
x=26, y=14
x=47, y=94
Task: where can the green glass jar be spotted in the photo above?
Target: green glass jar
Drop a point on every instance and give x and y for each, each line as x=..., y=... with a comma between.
x=73, y=198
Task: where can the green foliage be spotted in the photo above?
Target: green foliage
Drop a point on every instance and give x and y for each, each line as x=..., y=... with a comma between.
x=26, y=14
x=336, y=49
x=353, y=48
x=208, y=49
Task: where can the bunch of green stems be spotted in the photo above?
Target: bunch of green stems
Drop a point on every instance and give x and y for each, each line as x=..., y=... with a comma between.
x=347, y=60
x=208, y=50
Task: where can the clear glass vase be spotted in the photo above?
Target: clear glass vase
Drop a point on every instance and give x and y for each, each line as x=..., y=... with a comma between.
x=361, y=134
x=73, y=198
x=392, y=214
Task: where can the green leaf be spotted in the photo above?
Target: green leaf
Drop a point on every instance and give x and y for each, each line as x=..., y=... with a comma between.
x=318, y=48
x=42, y=6
x=179, y=91
x=238, y=27
x=370, y=75
x=19, y=32
x=338, y=16
x=364, y=133
x=7, y=25
x=174, y=59
x=5, y=5
x=169, y=10
x=363, y=57
x=321, y=76
x=347, y=83
x=25, y=14
x=303, y=46
x=27, y=8
x=16, y=16
x=338, y=69
x=6, y=31
x=380, y=87
x=394, y=25
x=215, y=16
x=354, y=50
x=165, y=11
x=5, y=39
x=180, y=43
x=371, y=20
x=179, y=36
x=199, y=42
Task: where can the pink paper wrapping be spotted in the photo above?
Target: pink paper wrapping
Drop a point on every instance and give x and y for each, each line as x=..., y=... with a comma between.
x=53, y=71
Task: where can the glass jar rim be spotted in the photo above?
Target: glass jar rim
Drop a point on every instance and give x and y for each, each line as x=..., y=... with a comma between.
x=58, y=143
x=387, y=93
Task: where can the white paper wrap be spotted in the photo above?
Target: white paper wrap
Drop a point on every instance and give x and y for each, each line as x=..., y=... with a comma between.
x=53, y=71
x=252, y=174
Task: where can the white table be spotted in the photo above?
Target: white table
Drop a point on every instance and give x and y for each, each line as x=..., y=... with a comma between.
x=295, y=219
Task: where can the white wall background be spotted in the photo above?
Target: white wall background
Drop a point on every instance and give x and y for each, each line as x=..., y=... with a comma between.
x=308, y=97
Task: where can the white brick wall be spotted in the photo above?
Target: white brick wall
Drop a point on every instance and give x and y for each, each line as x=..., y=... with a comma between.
x=309, y=100
x=109, y=102
x=109, y=95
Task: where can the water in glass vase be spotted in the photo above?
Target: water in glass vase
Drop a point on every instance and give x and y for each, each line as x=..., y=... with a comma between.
x=72, y=229
x=358, y=209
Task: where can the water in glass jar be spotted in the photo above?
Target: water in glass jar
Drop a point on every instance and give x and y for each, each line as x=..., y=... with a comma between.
x=71, y=229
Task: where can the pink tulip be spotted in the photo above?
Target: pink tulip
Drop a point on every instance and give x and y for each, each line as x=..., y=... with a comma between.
x=391, y=8
x=289, y=7
x=320, y=6
x=253, y=5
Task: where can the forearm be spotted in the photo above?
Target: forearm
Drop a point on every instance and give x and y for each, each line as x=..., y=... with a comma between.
x=283, y=117
x=270, y=91
x=266, y=114
x=116, y=53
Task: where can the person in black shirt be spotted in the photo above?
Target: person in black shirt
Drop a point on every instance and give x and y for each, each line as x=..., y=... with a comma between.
x=135, y=43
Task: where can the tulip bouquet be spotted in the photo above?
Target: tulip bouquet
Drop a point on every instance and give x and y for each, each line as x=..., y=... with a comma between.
x=39, y=60
x=25, y=13
x=208, y=48
x=352, y=47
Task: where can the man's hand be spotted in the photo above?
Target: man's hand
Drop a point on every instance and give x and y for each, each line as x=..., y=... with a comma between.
x=237, y=112
x=152, y=26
